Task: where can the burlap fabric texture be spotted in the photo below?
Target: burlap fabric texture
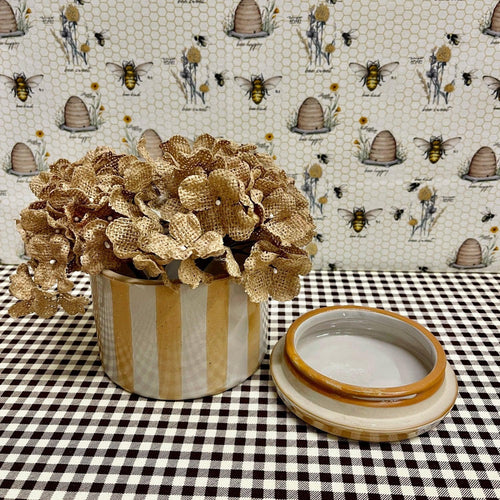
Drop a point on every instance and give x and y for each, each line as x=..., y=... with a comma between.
x=210, y=208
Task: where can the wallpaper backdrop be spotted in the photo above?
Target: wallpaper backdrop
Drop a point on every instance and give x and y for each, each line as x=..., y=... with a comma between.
x=386, y=113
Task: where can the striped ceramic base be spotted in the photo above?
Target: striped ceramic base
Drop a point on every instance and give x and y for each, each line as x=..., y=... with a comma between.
x=177, y=343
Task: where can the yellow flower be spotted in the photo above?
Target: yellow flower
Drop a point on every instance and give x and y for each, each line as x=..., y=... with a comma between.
x=28, y=11
x=338, y=110
x=443, y=54
x=495, y=249
x=425, y=194
x=47, y=154
x=124, y=140
x=322, y=13
x=315, y=171
x=269, y=137
x=363, y=120
x=322, y=200
x=193, y=55
x=276, y=10
x=84, y=48
x=72, y=14
x=356, y=141
x=39, y=133
x=334, y=87
x=329, y=48
x=94, y=86
x=494, y=229
x=127, y=119
x=449, y=87
x=413, y=221
x=204, y=88
x=101, y=108
x=274, y=157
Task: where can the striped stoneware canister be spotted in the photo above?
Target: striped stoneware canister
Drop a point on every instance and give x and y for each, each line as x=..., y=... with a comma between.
x=177, y=343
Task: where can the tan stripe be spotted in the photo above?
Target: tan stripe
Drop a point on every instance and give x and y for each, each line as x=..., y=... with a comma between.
x=217, y=325
x=123, y=335
x=169, y=338
x=253, y=335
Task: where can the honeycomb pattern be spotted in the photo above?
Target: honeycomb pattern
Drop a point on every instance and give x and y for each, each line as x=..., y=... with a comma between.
x=402, y=31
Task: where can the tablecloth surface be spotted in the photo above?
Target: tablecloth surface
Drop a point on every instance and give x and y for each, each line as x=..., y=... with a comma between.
x=67, y=431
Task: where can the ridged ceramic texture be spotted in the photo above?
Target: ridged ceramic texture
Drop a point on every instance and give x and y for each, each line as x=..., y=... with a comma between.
x=469, y=253
x=76, y=114
x=22, y=159
x=495, y=19
x=247, y=18
x=153, y=141
x=7, y=19
x=177, y=343
x=310, y=115
x=383, y=147
x=483, y=163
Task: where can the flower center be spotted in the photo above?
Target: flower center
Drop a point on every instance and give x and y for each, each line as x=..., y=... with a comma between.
x=52, y=261
x=76, y=219
x=183, y=247
x=275, y=271
x=218, y=202
x=109, y=218
x=107, y=244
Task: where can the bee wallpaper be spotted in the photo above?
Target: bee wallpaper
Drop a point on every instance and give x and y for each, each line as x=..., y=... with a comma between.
x=387, y=113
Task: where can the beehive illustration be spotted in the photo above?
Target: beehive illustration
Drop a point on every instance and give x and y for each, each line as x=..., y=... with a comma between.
x=8, y=23
x=153, y=141
x=22, y=160
x=469, y=255
x=247, y=21
x=310, y=118
x=494, y=27
x=383, y=150
x=483, y=166
x=76, y=116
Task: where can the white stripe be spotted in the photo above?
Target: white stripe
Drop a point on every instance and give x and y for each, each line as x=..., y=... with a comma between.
x=194, y=340
x=237, y=342
x=144, y=340
x=105, y=317
x=264, y=326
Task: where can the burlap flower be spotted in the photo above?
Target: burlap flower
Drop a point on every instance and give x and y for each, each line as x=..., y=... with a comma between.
x=218, y=202
x=51, y=256
x=270, y=271
x=98, y=252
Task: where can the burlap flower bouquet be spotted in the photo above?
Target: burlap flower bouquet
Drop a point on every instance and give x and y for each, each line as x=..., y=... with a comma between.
x=205, y=210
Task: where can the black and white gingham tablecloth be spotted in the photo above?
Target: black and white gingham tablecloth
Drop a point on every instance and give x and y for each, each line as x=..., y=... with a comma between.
x=66, y=431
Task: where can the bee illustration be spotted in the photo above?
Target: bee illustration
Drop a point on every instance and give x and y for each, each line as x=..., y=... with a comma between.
x=201, y=40
x=358, y=218
x=129, y=73
x=220, y=78
x=349, y=36
x=21, y=86
x=323, y=158
x=412, y=186
x=257, y=88
x=332, y=266
x=423, y=269
x=372, y=74
x=80, y=2
x=338, y=190
x=436, y=148
x=487, y=215
x=397, y=213
x=467, y=77
x=493, y=84
x=319, y=237
x=101, y=37
x=453, y=38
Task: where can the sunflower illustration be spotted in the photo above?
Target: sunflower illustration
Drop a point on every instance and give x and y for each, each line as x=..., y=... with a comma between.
x=334, y=87
x=363, y=120
x=39, y=133
x=127, y=119
x=494, y=230
x=269, y=137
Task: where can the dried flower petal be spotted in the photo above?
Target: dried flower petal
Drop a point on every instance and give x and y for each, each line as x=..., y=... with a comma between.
x=72, y=305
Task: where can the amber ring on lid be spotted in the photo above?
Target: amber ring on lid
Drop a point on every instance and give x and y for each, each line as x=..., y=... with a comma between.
x=363, y=373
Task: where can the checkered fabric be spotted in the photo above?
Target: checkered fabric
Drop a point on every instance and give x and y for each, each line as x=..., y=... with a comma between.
x=66, y=431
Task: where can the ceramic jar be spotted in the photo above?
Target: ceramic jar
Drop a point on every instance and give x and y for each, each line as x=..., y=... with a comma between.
x=177, y=343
